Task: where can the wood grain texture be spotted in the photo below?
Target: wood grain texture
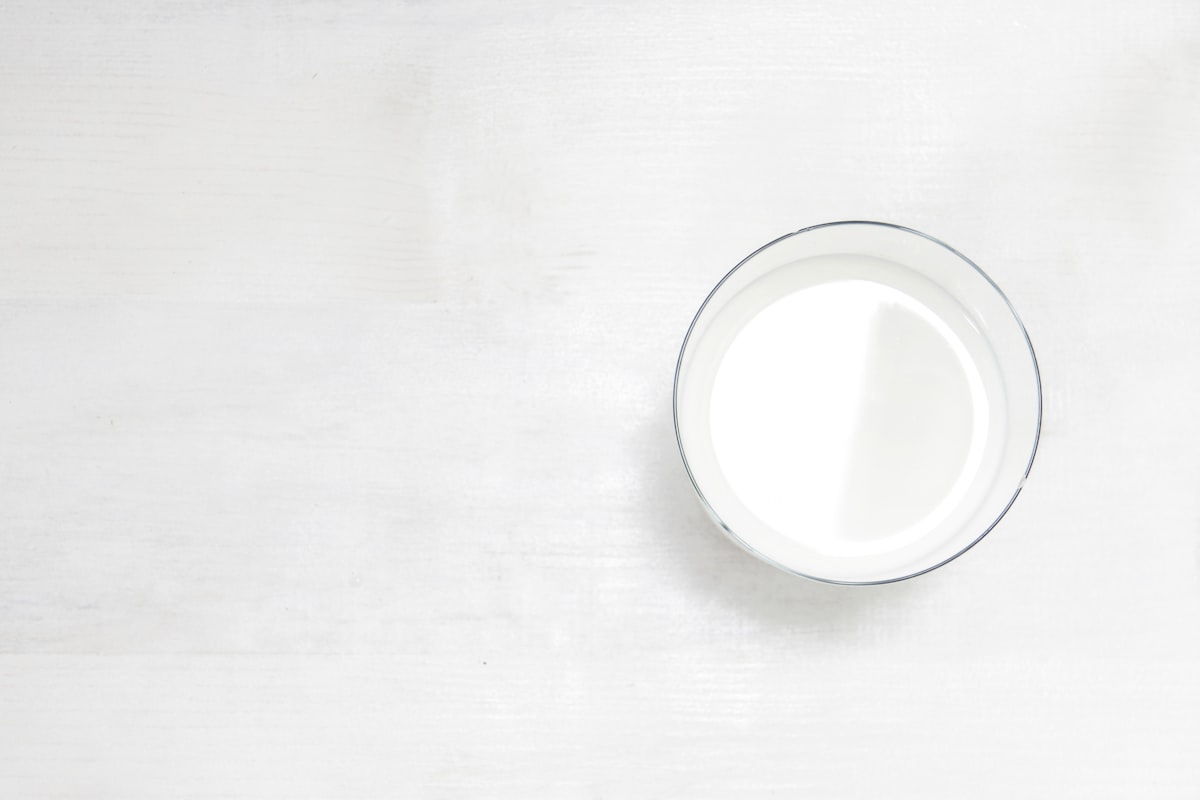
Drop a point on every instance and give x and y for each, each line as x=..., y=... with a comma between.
x=336, y=345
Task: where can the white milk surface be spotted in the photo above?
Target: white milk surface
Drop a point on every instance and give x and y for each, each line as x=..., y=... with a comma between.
x=848, y=415
x=849, y=406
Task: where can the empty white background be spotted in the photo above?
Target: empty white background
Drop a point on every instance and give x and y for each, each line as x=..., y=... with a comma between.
x=336, y=348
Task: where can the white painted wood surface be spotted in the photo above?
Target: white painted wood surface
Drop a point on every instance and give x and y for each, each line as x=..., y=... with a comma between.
x=336, y=345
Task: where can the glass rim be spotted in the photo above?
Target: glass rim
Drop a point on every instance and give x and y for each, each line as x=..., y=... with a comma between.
x=739, y=540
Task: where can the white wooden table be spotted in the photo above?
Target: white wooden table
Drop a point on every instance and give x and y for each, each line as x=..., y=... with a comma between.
x=336, y=347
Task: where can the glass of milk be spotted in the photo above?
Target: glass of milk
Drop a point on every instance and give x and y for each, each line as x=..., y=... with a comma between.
x=857, y=402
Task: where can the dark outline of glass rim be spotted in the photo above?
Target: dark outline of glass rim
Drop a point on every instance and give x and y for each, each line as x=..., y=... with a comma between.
x=717, y=517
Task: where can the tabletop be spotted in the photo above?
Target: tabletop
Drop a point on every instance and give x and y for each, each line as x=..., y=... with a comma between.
x=336, y=351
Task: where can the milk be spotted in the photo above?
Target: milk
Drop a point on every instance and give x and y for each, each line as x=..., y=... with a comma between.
x=845, y=414
x=849, y=415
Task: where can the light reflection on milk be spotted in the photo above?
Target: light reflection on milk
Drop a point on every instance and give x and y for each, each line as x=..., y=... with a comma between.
x=850, y=417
